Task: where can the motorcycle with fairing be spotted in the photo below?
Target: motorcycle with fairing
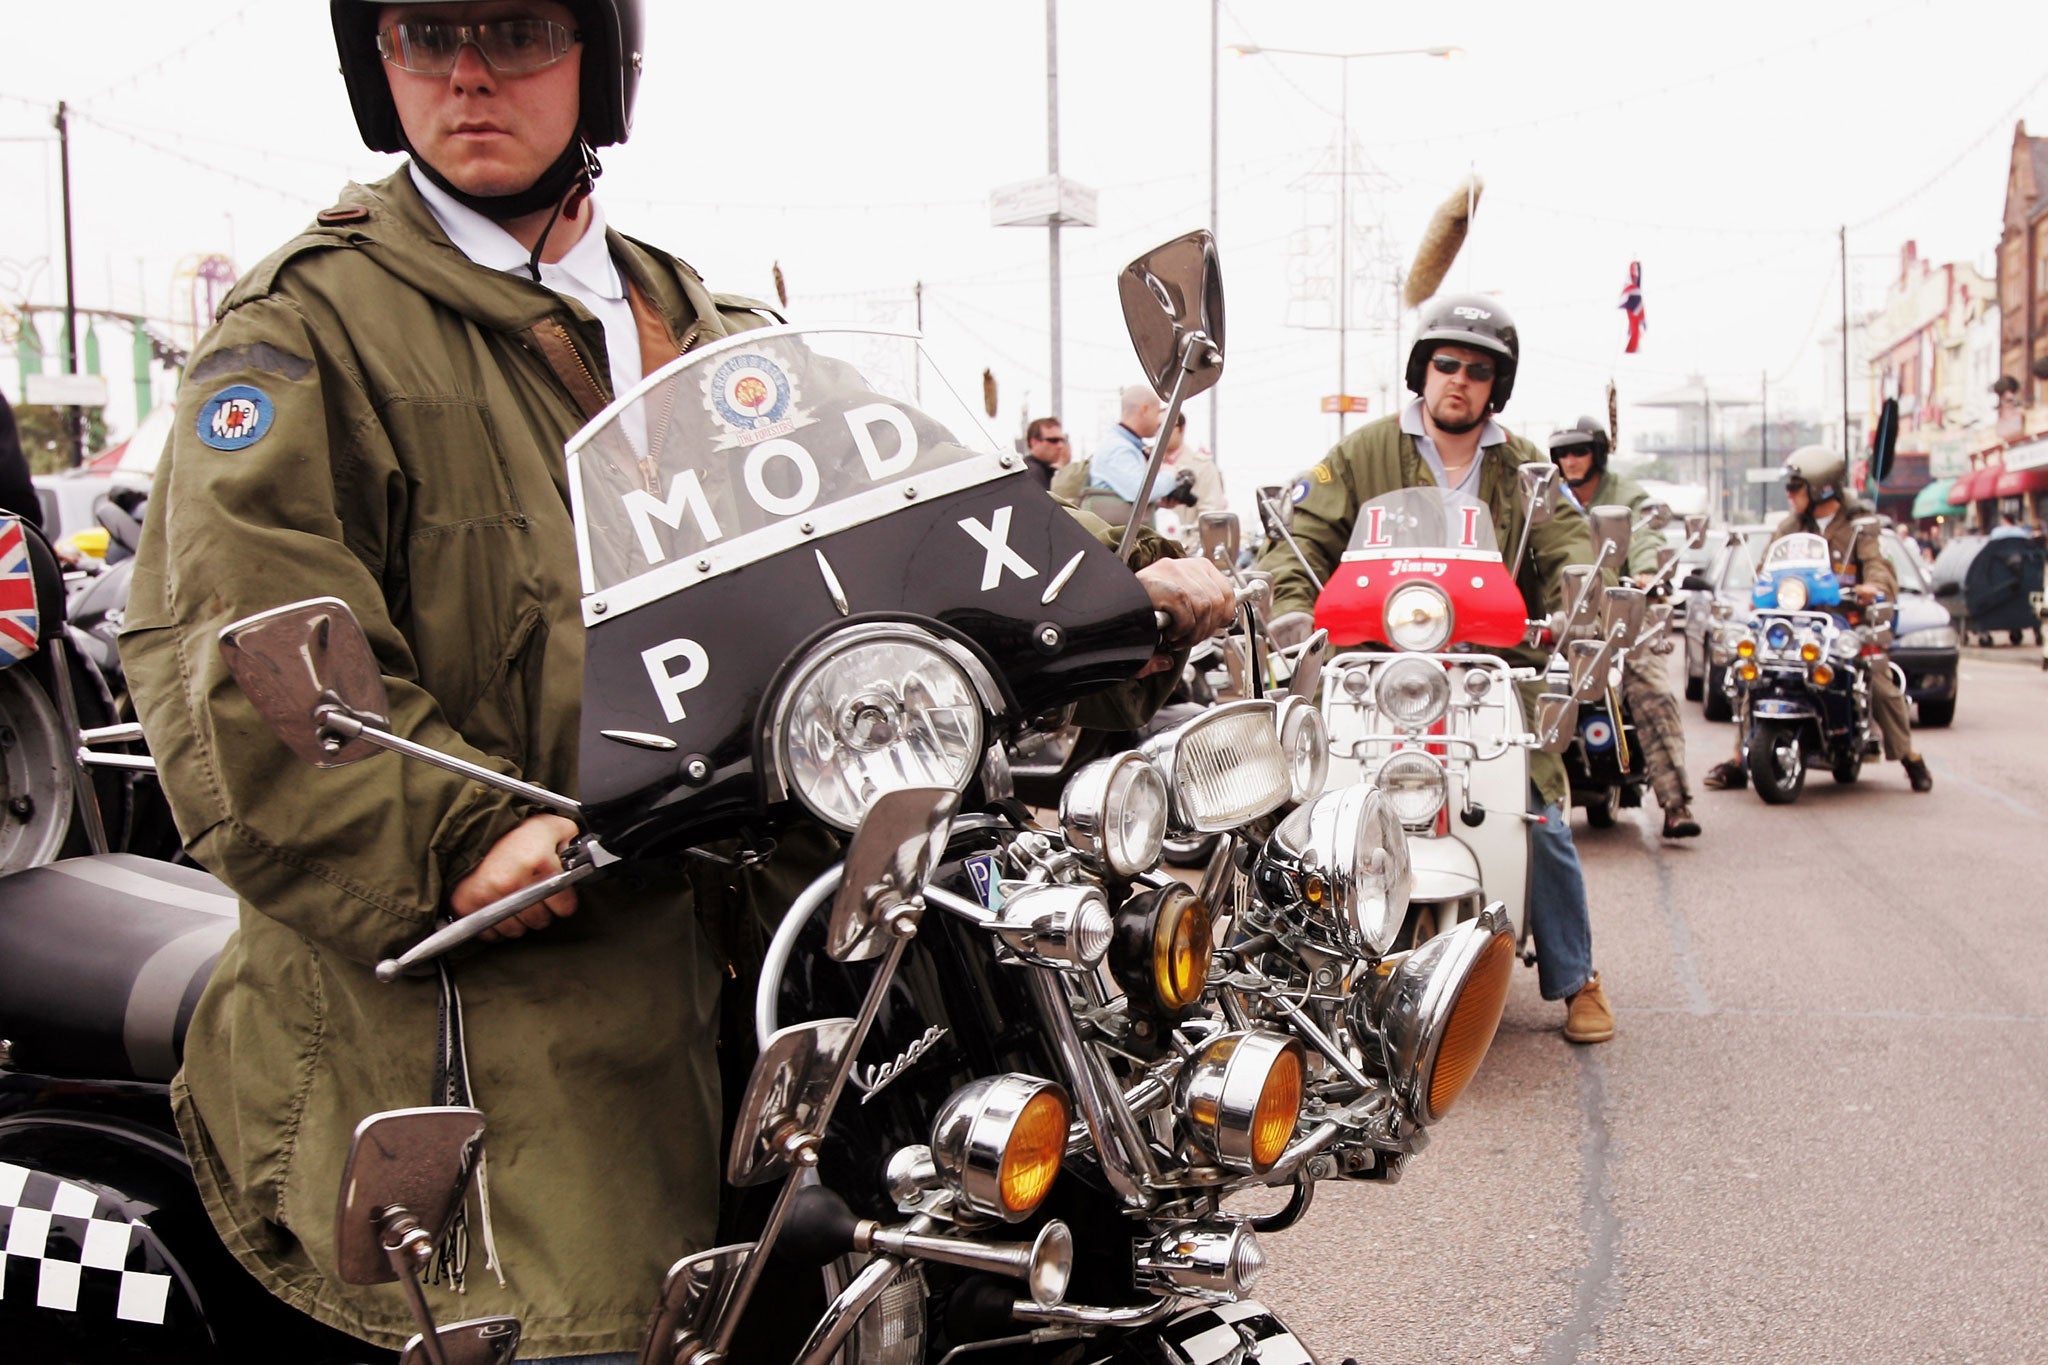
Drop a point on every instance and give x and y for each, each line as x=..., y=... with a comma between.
x=1802, y=668
x=1008, y=1076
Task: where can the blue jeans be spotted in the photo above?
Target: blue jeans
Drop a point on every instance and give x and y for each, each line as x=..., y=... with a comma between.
x=1557, y=904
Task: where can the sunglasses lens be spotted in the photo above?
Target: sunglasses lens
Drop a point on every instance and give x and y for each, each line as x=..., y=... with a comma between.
x=1479, y=370
x=429, y=48
x=1443, y=364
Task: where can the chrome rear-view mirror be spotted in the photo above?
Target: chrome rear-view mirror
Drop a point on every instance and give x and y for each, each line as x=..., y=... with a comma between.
x=892, y=855
x=1581, y=596
x=296, y=663
x=1557, y=720
x=407, y=1173
x=1535, y=481
x=1621, y=613
x=690, y=1297
x=1612, y=527
x=480, y=1341
x=1588, y=668
x=1170, y=294
x=1695, y=530
x=786, y=1094
x=1308, y=666
x=1219, y=532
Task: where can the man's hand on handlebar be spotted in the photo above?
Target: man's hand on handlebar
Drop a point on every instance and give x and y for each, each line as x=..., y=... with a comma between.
x=529, y=852
x=1196, y=598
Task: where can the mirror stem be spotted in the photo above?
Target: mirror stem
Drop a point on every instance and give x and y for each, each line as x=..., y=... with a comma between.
x=902, y=923
x=409, y=1247
x=336, y=722
x=1272, y=510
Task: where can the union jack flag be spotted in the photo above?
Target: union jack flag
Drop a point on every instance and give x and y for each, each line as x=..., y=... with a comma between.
x=18, y=626
x=1632, y=304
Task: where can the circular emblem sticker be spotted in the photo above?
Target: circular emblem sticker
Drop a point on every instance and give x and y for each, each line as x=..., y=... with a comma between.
x=1300, y=489
x=1598, y=732
x=236, y=417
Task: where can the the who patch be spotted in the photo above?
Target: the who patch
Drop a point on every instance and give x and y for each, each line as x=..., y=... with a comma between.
x=237, y=417
x=754, y=399
x=1598, y=732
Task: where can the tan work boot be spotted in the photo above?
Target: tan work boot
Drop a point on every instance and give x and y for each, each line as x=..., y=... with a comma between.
x=1588, y=1018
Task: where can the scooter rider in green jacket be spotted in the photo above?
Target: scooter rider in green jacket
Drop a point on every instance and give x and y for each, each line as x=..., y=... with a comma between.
x=1580, y=453
x=378, y=414
x=1462, y=368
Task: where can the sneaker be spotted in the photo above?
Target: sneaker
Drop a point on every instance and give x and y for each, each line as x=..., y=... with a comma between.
x=1725, y=777
x=1588, y=1018
x=1679, y=824
x=1917, y=774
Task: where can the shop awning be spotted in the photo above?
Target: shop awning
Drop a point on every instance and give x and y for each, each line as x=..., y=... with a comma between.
x=1959, y=491
x=2014, y=483
x=1932, y=501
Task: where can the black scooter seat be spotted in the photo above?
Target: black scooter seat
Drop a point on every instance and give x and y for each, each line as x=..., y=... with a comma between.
x=102, y=960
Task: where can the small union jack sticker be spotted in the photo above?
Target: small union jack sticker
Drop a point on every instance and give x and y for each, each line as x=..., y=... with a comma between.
x=19, y=626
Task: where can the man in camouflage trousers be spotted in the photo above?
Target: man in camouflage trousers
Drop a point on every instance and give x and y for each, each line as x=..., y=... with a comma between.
x=1580, y=452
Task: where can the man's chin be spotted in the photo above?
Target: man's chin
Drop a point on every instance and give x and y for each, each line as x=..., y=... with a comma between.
x=487, y=177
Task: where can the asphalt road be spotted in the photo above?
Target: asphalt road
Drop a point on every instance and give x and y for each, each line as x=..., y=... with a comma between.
x=1821, y=1133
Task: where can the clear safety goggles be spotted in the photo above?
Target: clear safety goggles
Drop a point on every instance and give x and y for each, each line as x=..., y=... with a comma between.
x=429, y=47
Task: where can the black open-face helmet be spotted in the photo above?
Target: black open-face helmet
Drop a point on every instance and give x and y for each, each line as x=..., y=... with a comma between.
x=1468, y=320
x=610, y=31
x=1586, y=434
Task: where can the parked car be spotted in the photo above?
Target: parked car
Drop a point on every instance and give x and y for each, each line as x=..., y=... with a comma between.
x=1925, y=643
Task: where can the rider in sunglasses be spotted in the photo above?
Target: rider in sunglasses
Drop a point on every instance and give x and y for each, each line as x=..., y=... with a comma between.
x=1462, y=369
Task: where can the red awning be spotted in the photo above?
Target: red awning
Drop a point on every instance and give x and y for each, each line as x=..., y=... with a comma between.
x=2013, y=483
x=1959, y=491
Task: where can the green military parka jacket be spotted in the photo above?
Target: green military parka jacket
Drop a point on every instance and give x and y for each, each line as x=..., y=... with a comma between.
x=1380, y=458
x=399, y=445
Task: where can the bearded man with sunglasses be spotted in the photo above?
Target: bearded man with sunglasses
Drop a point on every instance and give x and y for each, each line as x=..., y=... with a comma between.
x=1462, y=368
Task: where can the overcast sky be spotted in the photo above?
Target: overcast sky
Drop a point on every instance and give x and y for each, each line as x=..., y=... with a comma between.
x=856, y=145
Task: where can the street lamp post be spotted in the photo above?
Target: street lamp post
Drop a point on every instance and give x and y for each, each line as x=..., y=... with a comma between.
x=1343, y=60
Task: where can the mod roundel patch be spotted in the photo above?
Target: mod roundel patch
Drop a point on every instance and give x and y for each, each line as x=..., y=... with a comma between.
x=1300, y=489
x=237, y=417
x=1598, y=732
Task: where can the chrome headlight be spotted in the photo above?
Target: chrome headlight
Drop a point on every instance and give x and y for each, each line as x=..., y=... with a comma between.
x=1418, y=617
x=1305, y=742
x=1341, y=864
x=997, y=1143
x=1114, y=814
x=1224, y=767
x=1792, y=593
x=1414, y=784
x=1413, y=693
x=1209, y=1262
x=1054, y=923
x=1240, y=1098
x=1425, y=1019
x=872, y=710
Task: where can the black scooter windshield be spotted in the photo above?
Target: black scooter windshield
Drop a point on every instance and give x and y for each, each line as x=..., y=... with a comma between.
x=759, y=495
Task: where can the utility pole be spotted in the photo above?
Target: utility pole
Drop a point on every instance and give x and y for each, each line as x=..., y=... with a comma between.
x=1843, y=239
x=1343, y=241
x=74, y=418
x=1052, y=168
x=1215, y=57
x=1763, y=443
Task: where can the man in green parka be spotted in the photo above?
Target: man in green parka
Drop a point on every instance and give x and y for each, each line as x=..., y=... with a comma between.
x=1462, y=369
x=378, y=415
x=1580, y=452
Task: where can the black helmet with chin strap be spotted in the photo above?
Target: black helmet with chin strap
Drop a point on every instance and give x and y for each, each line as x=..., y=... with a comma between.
x=1581, y=437
x=610, y=32
x=1468, y=320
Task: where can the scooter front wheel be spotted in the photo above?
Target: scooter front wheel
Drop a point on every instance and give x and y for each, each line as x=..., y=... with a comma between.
x=1777, y=765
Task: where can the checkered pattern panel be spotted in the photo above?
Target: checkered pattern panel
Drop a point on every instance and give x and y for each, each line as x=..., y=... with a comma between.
x=1208, y=1336
x=66, y=1248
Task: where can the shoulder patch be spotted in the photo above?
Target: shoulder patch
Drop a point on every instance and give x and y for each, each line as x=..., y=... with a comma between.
x=236, y=418
x=1300, y=489
x=1322, y=473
